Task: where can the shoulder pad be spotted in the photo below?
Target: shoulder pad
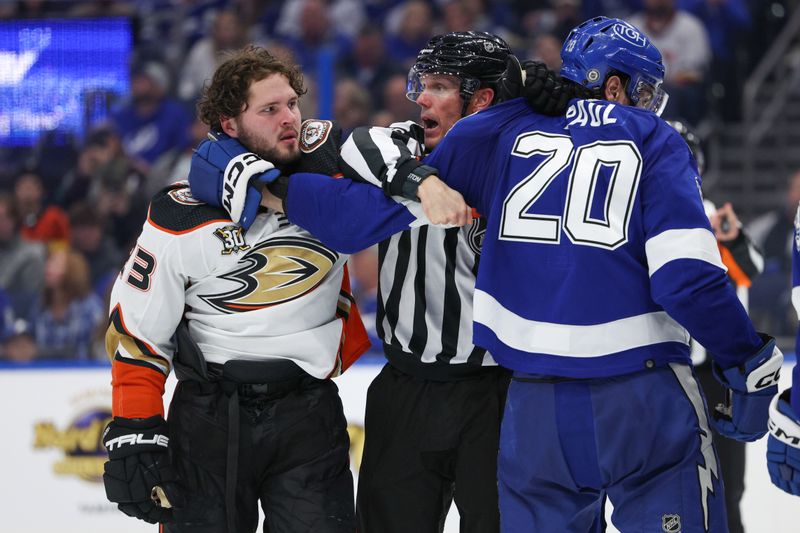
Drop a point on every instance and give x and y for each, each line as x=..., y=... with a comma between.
x=173, y=209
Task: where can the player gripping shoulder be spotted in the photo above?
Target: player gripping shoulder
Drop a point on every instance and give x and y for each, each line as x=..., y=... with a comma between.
x=598, y=266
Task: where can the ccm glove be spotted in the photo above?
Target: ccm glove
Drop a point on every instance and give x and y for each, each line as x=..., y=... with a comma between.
x=783, y=446
x=750, y=388
x=138, y=464
x=222, y=175
x=547, y=92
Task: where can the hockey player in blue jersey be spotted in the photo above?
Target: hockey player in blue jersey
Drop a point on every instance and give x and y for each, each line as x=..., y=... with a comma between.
x=783, y=448
x=597, y=260
x=598, y=264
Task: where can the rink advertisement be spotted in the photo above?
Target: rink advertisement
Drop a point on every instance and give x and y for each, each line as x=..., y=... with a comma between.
x=52, y=449
x=52, y=460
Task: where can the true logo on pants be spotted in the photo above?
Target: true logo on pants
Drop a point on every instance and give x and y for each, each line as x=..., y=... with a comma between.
x=671, y=523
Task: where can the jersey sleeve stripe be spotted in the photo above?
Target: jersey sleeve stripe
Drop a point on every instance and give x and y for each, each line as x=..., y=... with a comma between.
x=796, y=299
x=120, y=343
x=189, y=230
x=137, y=391
x=569, y=340
x=695, y=243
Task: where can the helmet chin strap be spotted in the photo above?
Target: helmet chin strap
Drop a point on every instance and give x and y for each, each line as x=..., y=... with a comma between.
x=465, y=104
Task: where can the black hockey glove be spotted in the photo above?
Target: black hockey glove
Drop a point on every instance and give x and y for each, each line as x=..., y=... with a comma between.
x=547, y=92
x=138, y=464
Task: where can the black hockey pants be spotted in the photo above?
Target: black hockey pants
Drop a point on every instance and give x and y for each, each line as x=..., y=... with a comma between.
x=289, y=449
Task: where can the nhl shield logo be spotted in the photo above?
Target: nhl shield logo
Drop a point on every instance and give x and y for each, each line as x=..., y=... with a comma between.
x=313, y=134
x=671, y=523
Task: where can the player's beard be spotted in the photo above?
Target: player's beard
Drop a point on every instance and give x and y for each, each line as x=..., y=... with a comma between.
x=277, y=155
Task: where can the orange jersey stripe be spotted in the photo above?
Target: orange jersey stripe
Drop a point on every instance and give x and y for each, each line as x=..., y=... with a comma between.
x=734, y=270
x=137, y=390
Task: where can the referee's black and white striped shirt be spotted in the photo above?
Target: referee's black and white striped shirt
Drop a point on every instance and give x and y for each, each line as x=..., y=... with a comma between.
x=427, y=273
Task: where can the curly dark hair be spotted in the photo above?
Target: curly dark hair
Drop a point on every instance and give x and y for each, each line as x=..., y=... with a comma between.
x=226, y=95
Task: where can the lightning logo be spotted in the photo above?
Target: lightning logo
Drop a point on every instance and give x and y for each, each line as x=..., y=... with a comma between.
x=707, y=473
x=274, y=271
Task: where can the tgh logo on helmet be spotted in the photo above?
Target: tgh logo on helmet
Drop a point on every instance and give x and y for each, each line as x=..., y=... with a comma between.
x=630, y=34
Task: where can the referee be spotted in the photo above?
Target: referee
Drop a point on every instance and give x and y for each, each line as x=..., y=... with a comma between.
x=433, y=413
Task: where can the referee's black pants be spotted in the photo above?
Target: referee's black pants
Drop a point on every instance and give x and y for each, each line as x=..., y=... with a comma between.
x=428, y=443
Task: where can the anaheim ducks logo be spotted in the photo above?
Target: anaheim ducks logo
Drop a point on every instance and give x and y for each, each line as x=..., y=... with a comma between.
x=273, y=272
x=184, y=196
x=313, y=134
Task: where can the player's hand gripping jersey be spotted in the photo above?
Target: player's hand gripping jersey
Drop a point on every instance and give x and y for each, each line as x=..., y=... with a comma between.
x=783, y=449
x=598, y=255
x=273, y=292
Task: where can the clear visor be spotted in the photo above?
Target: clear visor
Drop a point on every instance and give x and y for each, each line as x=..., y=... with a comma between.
x=437, y=83
x=648, y=94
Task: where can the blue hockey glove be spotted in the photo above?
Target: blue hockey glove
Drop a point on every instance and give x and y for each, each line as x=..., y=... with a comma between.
x=783, y=446
x=222, y=174
x=751, y=387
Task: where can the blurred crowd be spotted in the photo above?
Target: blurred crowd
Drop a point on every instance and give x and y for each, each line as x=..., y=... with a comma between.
x=71, y=208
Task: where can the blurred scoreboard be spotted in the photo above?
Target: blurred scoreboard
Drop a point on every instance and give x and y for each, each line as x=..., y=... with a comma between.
x=60, y=75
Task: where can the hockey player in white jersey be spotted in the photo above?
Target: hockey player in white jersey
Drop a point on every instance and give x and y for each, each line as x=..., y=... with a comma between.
x=260, y=322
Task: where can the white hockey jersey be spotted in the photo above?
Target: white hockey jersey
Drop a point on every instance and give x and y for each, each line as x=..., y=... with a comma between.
x=274, y=292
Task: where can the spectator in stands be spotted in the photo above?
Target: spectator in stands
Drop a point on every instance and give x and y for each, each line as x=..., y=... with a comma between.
x=121, y=202
x=38, y=222
x=347, y=16
x=683, y=41
x=352, y=105
x=65, y=321
x=19, y=347
x=77, y=183
x=174, y=165
x=621, y=9
x=556, y=16
x=410, y=33
x=318, y=38
x=54, y=152
x=108, y=178
x=546, y=47
x=395, y=102
x=727, y=23
x=151, y=123
x=456, y=17
x=104, y=258
x=773, y=232
x=21, y=262
x=367, y=62
x=228, y=33
x=196, y=18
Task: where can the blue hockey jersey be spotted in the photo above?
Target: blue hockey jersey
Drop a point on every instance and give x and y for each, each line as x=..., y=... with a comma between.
x=795, y=396
x=598, y=256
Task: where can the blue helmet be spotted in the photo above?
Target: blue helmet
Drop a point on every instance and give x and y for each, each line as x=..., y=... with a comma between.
x=602, y=45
